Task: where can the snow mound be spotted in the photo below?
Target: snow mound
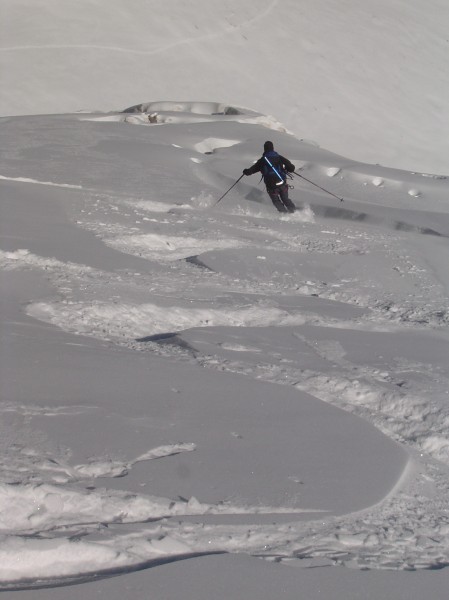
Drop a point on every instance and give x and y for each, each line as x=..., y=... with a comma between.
x=127, y=321
x=196, y=108
x=168, y=247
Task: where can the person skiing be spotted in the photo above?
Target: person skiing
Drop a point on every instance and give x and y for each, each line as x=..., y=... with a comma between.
x=274, y=169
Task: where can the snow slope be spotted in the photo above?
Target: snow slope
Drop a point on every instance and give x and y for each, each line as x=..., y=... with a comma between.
x=369, y=80
x=186, y=380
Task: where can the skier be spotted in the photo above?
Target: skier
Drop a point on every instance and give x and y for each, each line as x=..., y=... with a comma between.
x=274, y=168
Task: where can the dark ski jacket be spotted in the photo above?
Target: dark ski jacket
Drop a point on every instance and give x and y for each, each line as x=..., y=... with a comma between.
x=280, y=163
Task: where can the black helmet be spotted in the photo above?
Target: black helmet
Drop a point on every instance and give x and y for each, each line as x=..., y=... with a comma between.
x=268, y=147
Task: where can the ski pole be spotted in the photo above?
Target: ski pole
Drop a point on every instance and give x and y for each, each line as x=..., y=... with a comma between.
x=318, y=186
x=228, y=190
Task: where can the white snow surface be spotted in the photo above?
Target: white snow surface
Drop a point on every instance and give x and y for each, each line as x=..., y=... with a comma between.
x=368, y=80
x=184, y=379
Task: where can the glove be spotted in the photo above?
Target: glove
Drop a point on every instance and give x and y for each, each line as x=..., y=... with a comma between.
x=291, y=169
x=246, y=172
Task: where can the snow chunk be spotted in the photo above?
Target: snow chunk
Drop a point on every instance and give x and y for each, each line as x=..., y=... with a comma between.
x=110, y=468
x=168, y=450
x=332, y=171
x=209, y=145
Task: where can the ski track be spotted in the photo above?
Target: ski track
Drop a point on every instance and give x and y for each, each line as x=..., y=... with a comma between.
x=408, y=530
x=37, y=182
x=227, y=30
x=369, y=540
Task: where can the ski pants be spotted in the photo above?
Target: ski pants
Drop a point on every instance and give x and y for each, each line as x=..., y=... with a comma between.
x=280, y=199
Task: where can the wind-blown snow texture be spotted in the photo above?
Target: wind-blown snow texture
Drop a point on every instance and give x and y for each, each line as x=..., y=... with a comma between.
x=181, y=378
